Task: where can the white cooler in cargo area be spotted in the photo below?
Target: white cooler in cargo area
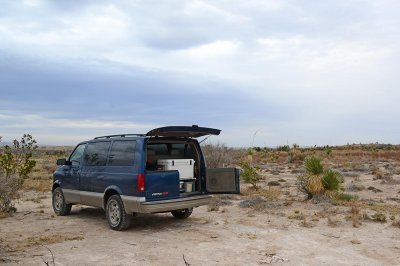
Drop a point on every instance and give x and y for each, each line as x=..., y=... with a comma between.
x=185, y=168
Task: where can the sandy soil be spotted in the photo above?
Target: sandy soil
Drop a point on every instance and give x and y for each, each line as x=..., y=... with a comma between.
x=278, y=228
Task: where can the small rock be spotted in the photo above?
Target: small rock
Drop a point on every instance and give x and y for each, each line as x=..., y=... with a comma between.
x=355, y=187
x=273, y=183
x=375, y=190
x=355, y=241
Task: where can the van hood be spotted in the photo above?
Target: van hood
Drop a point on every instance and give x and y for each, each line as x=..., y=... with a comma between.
x=183, y=131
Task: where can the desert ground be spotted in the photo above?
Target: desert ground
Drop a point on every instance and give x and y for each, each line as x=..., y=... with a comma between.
x=272, y=225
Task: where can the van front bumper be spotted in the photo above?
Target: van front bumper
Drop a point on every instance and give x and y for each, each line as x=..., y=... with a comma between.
x=139, y=204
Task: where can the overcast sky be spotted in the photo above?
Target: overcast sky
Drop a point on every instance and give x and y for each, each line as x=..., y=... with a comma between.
x=305, y=72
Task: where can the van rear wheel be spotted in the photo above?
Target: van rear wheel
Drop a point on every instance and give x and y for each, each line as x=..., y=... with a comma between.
x=182, y=214
x=117, y=218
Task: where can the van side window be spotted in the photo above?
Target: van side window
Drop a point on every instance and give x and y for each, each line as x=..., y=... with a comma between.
x=122, y=153
x=76, y=156
x=96, y=153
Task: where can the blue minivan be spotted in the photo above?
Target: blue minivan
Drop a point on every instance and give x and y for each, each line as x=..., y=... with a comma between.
x=161, y=171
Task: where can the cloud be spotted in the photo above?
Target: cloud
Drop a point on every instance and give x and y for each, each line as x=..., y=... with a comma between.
x=309, y=71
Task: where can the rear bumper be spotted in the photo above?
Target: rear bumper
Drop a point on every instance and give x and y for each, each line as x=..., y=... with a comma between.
x=139, y=204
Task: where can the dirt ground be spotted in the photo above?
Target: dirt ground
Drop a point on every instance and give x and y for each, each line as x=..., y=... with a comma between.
x=272, y=226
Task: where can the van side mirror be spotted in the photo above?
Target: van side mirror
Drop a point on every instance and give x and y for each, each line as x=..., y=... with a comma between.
x=63, y=162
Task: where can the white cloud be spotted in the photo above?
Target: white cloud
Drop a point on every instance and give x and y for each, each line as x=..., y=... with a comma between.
x=338, y=64
x=37, y=121
x=215, y=50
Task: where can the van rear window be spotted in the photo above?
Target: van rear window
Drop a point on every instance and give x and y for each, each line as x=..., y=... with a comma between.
x=122, y=153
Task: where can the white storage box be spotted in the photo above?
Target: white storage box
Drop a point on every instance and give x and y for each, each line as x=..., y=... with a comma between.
x=184, y=166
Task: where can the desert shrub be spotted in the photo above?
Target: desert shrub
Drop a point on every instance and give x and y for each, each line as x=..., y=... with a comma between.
x=9, y=186
x=332, y=180
x=396, y=224
x=217, y=155
x=15, y=164
x=314, y=165
x=283, y=148
x=250, y=174
x=379, y=217
x=318, y=181
x=18, y=157
x=295, y=154
x=256, y=203
x=328, y=151
x=346, y=197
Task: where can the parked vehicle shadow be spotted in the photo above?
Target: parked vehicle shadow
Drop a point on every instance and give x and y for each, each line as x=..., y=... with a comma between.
x=159, y=221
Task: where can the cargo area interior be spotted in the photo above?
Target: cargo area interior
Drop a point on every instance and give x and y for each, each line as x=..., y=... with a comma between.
x=183, y=156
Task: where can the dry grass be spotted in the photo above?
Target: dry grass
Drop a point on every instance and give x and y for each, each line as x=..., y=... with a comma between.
x=37, y=184
x=44, y=239
x=355, y=215
x=333, y=221
x=297, y=216
x=396, y=224
x=270, y=193
x=50, y=239
x=350, y=156
x=379, y=217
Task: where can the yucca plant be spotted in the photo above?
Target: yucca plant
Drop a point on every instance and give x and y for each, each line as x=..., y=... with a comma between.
x=315, y=185
x=317, y=180
x=332, y=180
x=313, y=165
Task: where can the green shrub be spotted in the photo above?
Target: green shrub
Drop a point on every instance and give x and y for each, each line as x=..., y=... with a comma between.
x=283, y=148
x=346, y=197
x=332, y=180
x=15, y=164
x=313, y=165
x=250, y=174
x=379, y=217
x=18, y=157
x=319, y=181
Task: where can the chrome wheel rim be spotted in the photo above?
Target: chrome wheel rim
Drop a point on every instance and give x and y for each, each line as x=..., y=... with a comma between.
x=58, y=201
x=114, y=213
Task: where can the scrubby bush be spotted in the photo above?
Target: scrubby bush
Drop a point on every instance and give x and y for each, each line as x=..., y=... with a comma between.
x=9, y=186
x=17, y=159
x=313, y=165
x=319, y=181
x=295, y=154
x=15, y=164
x=217, y=155
x=283, y=148
x=332, y=180
x=250, y=174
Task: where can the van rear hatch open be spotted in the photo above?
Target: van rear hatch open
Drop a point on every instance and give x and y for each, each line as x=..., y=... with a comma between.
x=183, y=131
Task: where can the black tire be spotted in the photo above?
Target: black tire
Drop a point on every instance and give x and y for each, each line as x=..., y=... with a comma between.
x=117, y=218
x=60, y=207
x=182, y=214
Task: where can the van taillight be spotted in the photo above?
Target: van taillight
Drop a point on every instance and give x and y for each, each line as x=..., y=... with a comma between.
x=140, y=182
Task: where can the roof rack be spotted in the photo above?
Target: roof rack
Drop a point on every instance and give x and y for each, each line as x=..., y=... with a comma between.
x=119, y=135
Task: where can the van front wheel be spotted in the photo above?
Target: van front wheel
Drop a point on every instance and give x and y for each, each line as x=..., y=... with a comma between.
x=117, y=218
x=182, y=214
x=60, y=207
